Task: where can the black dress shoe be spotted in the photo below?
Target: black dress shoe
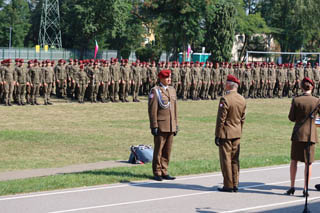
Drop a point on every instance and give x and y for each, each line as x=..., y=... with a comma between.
x=305, y=194
x=235, y=189
x=291, y=191
x=225, y=189
x=168, y=177
x=317, y=187
x=157, y=178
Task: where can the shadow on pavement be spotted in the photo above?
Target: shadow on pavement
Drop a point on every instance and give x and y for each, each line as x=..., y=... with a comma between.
x=313, y=207
x=205, y=210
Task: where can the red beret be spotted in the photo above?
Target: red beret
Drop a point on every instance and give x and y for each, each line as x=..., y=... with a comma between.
x=17, y=60
x=233, y=79
x=164, y=74
x=81, y=66
x=21, y=60
x=306, y=79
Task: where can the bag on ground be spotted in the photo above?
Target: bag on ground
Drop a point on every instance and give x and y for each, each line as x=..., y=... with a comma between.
x=141, y=154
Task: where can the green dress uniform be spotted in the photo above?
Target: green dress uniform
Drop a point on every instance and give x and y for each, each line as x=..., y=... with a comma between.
x=229, y=125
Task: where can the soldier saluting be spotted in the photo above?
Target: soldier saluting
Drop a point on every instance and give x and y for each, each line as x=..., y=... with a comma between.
x=162, y=108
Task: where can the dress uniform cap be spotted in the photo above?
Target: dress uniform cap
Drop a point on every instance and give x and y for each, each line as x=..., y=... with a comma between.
x=306, y=79
x=233, y=79
x=164, y=73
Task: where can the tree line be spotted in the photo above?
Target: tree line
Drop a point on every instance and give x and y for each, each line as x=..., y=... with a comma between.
x=123, y=24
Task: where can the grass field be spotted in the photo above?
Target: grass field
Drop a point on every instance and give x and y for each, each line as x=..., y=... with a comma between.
x=69, y=133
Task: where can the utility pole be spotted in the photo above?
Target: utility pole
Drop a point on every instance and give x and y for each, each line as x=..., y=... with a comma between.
x=50, y=32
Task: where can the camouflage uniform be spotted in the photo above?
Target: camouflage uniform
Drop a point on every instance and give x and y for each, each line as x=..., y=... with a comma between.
x=47, y=80
x=136, y=82
x=35, y=82
x=206, y=80
x=8, y=78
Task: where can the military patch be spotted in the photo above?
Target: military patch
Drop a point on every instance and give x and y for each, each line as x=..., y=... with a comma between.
x=221, y=105
x=151, y=95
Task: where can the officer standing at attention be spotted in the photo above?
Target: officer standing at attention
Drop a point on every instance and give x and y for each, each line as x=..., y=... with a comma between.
x=162, y=108
x=230, y=120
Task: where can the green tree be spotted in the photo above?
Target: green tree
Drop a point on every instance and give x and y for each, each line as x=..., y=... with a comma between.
x=15, y=15
x=296, y=24
x=219, y=30
x=250, y=24
x=179, y=22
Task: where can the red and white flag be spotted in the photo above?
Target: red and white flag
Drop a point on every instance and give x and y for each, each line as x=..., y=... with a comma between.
x=96, y=50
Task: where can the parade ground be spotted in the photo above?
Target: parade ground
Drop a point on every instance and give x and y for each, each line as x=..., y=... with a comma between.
x=260, y=190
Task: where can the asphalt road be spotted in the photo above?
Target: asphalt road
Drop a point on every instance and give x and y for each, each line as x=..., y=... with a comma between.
x=261, y=190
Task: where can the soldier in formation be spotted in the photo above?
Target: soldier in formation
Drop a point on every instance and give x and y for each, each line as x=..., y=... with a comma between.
x=108, y=80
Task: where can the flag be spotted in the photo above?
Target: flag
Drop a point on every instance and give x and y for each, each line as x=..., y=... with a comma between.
x=96, y=50
x=189, y=51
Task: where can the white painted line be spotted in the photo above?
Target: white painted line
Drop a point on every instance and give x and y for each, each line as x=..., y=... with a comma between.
x=166, y=198
x=271, y=205
x=139, y=184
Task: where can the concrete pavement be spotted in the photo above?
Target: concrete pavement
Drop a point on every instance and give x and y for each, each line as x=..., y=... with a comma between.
x=260, y=190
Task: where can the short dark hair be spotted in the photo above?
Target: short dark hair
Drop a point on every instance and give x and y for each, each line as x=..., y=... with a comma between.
x=306, y=85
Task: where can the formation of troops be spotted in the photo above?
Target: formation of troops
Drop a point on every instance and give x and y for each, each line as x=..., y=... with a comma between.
x=112, y=80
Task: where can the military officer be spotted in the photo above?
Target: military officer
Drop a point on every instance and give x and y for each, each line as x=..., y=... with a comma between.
x=304, y=135
x=162, y=108
x=229, y=125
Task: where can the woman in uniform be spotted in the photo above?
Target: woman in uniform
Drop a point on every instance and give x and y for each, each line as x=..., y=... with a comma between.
x=301, y=108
